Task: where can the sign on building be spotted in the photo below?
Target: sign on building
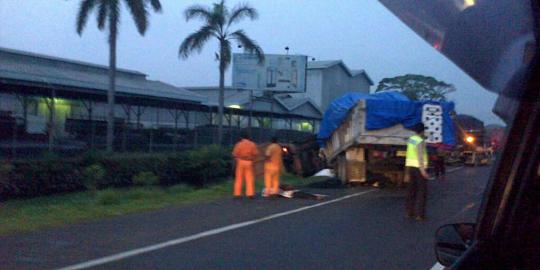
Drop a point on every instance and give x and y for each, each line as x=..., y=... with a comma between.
x=280, y=73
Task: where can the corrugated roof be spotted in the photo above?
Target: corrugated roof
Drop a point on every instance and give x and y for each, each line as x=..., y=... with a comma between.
x=48, y=70
x=211, y=94
x=291, y=103
x=356, y=72
x=60, y=59
x=323, y=64
x=159, y=86
x=330, y=63
x=285, y=103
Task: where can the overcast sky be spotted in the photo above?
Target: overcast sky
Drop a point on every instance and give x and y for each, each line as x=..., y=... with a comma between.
x=363, y=34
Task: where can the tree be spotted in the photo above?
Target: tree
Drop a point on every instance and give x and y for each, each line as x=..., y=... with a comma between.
x=108, y=14
x=217, y=21
x=417, y=87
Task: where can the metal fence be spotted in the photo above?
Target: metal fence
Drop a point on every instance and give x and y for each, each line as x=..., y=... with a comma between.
x=82, y=135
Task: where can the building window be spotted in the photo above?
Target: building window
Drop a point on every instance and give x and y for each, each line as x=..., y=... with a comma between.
x=305, y=126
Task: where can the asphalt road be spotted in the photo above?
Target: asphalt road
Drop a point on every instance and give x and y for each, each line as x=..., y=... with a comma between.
x=367, y=230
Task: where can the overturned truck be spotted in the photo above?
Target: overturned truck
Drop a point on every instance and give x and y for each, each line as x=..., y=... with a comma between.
x=364, y=136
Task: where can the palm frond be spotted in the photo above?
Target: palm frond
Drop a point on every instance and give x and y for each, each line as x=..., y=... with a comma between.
x=198, y=11
x=102, y=15
x=249, y=45
x=139, y=12
x=114, y=19
x=196, y=41
x=242, y=11
x=220, y=14
x=156, y=5
x=225, y=54
x=84, y=11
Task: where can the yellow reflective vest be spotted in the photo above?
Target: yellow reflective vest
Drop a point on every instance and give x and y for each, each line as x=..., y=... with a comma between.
x=411, y=159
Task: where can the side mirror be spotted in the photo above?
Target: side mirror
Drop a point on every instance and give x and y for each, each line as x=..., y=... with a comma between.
x=452, y=240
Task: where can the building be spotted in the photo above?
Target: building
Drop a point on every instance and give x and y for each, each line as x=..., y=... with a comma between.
x=37, y=88
x=325, y=81
x=328, y=80
x=53, y=100
x=278, y=111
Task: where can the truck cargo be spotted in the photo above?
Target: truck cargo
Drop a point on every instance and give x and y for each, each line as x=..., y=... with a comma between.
x=365, y=136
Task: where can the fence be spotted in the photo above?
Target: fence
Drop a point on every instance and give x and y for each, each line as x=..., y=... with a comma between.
x=81, y=135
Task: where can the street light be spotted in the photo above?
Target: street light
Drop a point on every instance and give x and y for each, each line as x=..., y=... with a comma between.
x=469, y=139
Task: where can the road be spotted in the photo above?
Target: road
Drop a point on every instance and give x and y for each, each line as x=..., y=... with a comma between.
x=358, y=228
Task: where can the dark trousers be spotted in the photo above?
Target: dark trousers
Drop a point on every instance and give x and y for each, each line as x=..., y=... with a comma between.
x=438, y=166
x=416, y=197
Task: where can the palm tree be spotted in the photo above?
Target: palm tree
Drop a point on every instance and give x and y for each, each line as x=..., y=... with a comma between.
x=217, y=21
x=108, y=13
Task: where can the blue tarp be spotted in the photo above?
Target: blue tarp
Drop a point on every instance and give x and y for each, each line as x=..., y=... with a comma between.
x=384, y=109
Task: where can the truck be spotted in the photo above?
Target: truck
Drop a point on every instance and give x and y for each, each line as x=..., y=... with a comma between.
x=474, y=146
x=359, y=153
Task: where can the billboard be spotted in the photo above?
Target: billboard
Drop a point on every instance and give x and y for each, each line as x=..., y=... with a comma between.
x=280, y=73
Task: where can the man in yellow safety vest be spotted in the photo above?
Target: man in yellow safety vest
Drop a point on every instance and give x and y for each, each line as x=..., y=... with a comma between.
x=416, y=164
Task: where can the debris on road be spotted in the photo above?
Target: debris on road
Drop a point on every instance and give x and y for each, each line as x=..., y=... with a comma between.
x=325, y=172
x=290, y=192
x=331, y=182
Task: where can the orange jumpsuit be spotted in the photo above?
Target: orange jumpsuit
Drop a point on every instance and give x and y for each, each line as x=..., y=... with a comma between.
x=245, y=152
x=272, y=168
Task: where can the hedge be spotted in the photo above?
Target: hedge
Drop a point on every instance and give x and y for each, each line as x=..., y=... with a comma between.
x=24, y=179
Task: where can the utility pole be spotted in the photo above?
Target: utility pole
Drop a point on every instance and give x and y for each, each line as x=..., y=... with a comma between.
x=250, y=111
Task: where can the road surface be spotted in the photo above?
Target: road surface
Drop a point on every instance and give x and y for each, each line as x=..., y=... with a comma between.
x=358, y=228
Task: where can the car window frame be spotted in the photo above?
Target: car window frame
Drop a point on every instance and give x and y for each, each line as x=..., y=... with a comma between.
x=506, y=200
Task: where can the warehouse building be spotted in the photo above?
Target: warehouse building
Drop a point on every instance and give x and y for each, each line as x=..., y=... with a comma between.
x=328, y=80
x=278, y=111
x=55, y=100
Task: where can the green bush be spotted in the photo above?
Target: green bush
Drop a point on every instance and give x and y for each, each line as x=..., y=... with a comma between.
x=108, y=197
x=95, y=171
x=145, y=179
x=122, y=168
x=92, y=157
x=43, y=177
x=205, y=165
x=5, y=170
x=5, y=175
x=180, y=188
x=197, y=167
x=92, y=176
x=140, y=193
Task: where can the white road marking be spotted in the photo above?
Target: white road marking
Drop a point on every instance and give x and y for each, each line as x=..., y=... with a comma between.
x=138, y=251
x=437, y=266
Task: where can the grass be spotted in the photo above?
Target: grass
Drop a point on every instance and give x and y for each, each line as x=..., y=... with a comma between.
x=56, y=210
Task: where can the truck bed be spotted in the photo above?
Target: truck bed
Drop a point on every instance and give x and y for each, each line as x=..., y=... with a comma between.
x=352, y=132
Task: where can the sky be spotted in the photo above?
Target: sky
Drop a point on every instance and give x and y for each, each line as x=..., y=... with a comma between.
x=364, y=34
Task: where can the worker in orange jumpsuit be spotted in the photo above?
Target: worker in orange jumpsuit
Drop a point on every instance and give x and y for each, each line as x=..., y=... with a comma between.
x=272, y=168
x=245, y=153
